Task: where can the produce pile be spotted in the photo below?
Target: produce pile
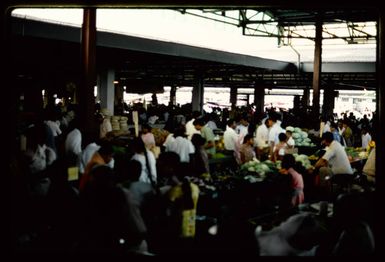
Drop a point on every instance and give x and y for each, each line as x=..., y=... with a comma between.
x=262, y=168
x=304, y=159
x=356, y=153
x=300, y=137
x=265, y=167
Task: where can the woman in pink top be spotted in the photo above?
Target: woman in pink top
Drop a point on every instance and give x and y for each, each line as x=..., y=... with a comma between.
x=288, y=163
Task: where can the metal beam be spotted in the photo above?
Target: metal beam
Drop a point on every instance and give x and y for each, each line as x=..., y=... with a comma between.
x=113, y=40
x=342, y=67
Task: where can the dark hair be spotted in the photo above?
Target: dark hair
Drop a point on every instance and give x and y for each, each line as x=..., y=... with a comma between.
x=168, y=164
x=244, y=117
x=135, y=169
x=199, y=121
x=105, y=148
x=288, y=161
x=334, y=125
x=146, y=126
x=102, y=177
x=128, y=170
x=180, y=130
x=274, y=116
x=138, y=145
x=328, y=137
x=198, y=140
x=230, y=122
x=247, y=138
x=282, y=137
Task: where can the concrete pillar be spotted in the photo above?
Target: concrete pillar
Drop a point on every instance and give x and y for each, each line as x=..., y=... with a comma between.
x=86, y=90
x=296, y=104
x=306, y=98
x=173, y=95
x=107, y=90
x=317, y=67
x=259, y=98
x=119, y=91
x=233, y=96
x=328, y=103
x=197, y=94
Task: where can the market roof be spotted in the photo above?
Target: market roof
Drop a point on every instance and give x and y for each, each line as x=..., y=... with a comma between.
x=168, y=63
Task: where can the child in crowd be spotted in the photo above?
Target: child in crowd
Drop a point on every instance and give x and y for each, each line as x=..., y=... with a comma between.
x=288, y=164
x=280, y=148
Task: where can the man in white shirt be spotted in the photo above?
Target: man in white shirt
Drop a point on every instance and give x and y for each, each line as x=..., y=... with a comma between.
x=242, y=128
x=262, y=137
x=190, y=128
x=230, y=137
x=262, y=134
x=365, y=138
x=335, y=160
x=73, y=142
x=207, y=134
x=86, y=155
x=274, y=132
x=181, y=145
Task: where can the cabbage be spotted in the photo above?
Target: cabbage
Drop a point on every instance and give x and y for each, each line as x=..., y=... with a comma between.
x=303, y=134
x=290, y=128
x=264, y=167
x=296, y=135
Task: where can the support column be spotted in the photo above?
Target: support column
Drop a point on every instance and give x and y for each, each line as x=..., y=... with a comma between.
x=328, y=103
x=197, y=94
x=306, y=98
x=233, y=96
x=259, y=99
x=317, y=67
x=119, y=92
x=296, y=105
x=86, y=90
x=173, y=95
x=107, y=90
